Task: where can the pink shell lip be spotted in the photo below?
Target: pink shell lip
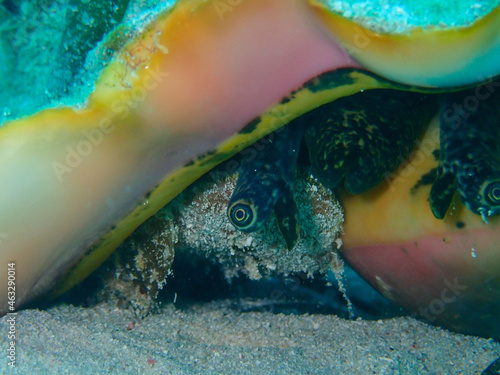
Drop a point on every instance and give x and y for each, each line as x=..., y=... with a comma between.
x=451, y=280
x=446, y=272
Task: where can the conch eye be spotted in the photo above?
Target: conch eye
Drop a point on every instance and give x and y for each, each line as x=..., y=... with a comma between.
x=492, y=193
x=241, y=215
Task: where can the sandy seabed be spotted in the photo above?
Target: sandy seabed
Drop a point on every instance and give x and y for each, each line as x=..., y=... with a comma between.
x=216, y=339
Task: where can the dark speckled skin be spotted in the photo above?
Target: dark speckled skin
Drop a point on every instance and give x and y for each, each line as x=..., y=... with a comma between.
x=265, y=184
x=362, y=138
x=470, y=152
x=365, y=136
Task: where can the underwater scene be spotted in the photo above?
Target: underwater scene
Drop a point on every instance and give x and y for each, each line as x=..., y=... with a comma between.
x=250, y=187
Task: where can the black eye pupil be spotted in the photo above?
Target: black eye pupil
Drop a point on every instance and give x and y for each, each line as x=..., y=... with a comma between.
x=240, y=214
x=495, y=193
